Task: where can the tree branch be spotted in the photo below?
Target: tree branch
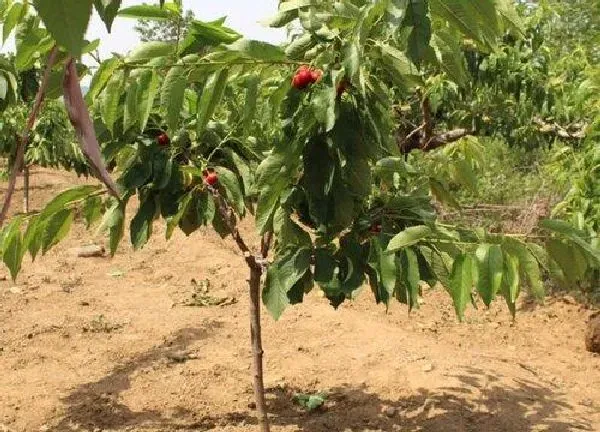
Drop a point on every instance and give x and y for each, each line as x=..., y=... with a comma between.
x=227, y=214
x=18, y=165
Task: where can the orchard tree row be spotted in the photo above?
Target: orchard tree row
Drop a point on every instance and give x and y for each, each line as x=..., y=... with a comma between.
x=310, y=138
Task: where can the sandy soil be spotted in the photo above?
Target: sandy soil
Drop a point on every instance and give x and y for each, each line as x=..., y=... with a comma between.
x=100, y=344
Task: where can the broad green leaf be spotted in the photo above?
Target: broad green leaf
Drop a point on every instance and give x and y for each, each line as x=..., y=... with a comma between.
x=281, y=19
x=147, y=90
x=442, y=194
x=384, y=268
x=15, y=14
x=408, y=237
x=461, y=283
x=528, y=265
x=299, y=46
x=66, y=198
x=174, y=220
x=32, y=240
x=130, y=114
x=55, y=228
x=210, y=99
x=282, y=275
x=490, y=267
x=66, y=20
x=250, y=103
x=141, y=224
x=101, y=78
x=145, y=11
x=107, y=9
x=258, y=50
x=147, y=51
x=574, y=234
x=12, y=248
x=172, y=95
x=569, y=258
x=111, y=98
x=410, y=276
x=229, y=182
x=114, y=223
x=92, y=210
x=510, y=282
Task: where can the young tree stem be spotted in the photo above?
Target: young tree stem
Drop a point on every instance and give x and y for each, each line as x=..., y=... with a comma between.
x=254, y=283
x=22, y=144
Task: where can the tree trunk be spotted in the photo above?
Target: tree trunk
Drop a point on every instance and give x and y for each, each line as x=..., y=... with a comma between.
x=26, y=189
x=257, y=350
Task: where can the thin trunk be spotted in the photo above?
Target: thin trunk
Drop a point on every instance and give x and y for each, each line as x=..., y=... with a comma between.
x=18, y=165
x=26, y=189
x=257, y=350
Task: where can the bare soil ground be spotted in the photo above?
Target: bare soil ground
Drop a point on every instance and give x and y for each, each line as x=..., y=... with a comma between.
x=100, y=344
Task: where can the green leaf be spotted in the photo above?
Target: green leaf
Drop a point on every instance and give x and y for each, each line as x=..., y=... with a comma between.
x=210, y=99
x=442, y=194
x=510, y=282
x=408, y=237
x=147, y=91
x=114, y=222
x=92, y=210
x=66, y=198
x=282, y=275
x=32, y=240
x=257, y=50
x=150, y=50
x=150, y=12
x=107, y=9
x=112, y=99
x=490, y=267
x=101, y=78
x=528, y=265
x=250, y=104
x=229, y=182
x=141, y=224
x=12, y=248
x=172, y=95
x=410, y=276
x=55, y=229
x=383, y=281
x=569, y=258
x=183, y=207
x=15, y=14
x=130, y=114
x=66, y=20
x=575, y=235
x=463, y=173
x=461, y=283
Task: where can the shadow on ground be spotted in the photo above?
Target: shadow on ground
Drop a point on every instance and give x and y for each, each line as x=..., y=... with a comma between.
x=478, y=402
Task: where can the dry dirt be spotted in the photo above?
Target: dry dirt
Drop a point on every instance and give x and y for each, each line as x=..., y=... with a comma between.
x=100, y=344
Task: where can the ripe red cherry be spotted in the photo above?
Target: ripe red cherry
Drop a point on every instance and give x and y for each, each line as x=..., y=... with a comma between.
x=302, y=78
x=163, y=140
x=211, y=179
x=316, y=75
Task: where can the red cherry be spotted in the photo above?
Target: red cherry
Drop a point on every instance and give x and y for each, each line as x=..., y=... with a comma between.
x=163, y=140
x=316, y=75
x=211, y=179
x=302, y=78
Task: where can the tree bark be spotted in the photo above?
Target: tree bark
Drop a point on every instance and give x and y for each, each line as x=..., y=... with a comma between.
x=26, y=189
x=18, y=166
x=255, y=264
x=257, y=350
